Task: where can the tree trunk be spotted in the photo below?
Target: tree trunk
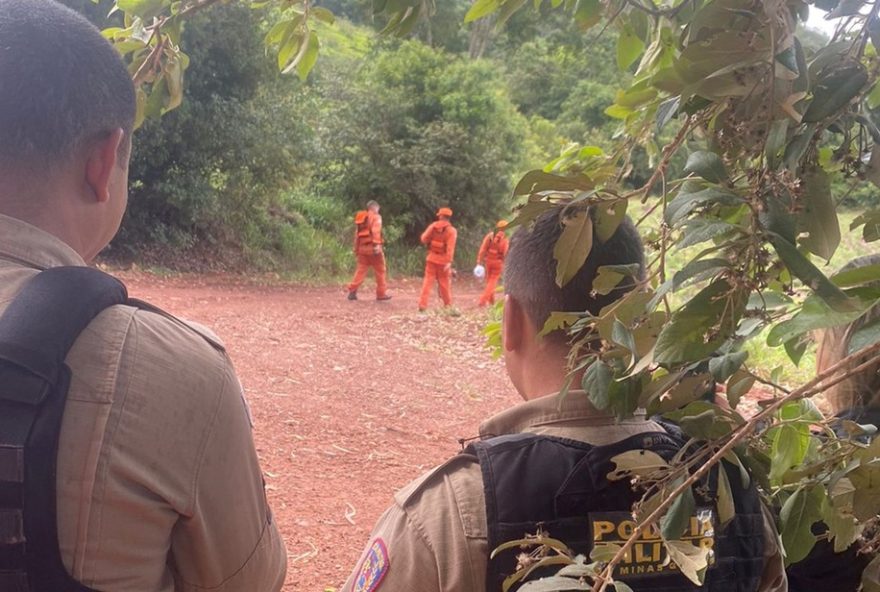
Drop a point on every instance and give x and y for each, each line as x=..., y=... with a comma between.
x=480, y=36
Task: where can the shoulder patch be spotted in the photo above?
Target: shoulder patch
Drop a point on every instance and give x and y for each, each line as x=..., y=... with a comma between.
x=373, y=568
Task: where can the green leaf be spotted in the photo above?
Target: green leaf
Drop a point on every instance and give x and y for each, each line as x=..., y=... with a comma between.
x=629, y=47
x=558, y=321
x=738, y=385
x=788, y=449
x=597, y=382
x=604, y=552
x=574, y=245
x=724, y=503
x=702, y=325
x=797, y=516
x=587, y=14
x=862, y=274
x=690, y=559
x=809, y=274
x=554, y=584
x=707, y=165
x=819, y=216
x=607, y=218
x=642, y=463
x=698, y=230
x=692, y=196
x=864, y=337
x=538, y=181
x=481, y=9
x=309, y=58
x=815, y=314
x=836, y=87
x=871, y=220
x=289, y=47
x=677, y=518
x=696, y=268
x=723, y=367
x=775, y=141
x=609, y=276
x=322, y=14
x=146, y=9
x=508, y=9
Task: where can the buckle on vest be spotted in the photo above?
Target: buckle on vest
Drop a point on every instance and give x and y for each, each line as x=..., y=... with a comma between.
x=14, y=581
x=11, y=464
x=19, y=385
x=11, y=527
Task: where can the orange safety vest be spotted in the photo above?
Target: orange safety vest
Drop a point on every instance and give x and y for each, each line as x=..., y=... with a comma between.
x=495, y=251
x=438, y=244
x=363, y=222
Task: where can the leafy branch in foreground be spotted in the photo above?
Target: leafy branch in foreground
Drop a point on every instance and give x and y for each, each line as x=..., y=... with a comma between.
x=150, y=32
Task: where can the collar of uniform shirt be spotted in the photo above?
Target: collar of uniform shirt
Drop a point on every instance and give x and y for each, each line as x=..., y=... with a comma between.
x=574, y=409
x=23, y=243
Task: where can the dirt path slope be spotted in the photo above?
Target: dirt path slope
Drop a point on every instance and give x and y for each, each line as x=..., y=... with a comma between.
x=351, y=400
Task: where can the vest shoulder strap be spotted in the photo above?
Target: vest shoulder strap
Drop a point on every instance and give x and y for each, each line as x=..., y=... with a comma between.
x=37, y=330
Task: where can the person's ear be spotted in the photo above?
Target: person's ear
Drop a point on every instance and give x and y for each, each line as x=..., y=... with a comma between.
x=102, y=158
x=513, y=325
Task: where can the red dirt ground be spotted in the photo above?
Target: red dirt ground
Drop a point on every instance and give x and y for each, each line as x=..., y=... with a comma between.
x=351, y=400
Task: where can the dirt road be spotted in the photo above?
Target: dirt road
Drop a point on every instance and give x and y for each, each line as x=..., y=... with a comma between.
x=351, y=400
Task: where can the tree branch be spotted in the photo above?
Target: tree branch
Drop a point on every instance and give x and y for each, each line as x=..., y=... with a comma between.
x=811, y=387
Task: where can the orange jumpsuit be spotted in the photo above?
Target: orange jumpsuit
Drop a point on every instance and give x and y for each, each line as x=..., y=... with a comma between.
x=492, y=251
x=368, y=249
x=440, y=239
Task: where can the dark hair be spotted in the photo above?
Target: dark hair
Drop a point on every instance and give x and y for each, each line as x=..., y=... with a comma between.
x=530, y=269
x=61, y=84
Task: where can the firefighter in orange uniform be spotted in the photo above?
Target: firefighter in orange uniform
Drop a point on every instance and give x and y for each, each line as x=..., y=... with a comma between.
x=492, y=252
x=369, y=252
x=440, y=238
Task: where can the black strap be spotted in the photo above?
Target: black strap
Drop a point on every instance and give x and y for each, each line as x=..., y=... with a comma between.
x=37, y=331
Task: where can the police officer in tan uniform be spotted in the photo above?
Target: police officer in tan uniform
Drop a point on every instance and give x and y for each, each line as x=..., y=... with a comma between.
x=436, y=535
x=159, y=488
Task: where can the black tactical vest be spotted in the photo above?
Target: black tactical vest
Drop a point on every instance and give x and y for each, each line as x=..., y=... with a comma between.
x=560, y=485
x=36, y=332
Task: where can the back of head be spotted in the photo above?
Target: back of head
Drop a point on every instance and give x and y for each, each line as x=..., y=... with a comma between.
x=836, y=343
x=530, y=269
x=63, y=86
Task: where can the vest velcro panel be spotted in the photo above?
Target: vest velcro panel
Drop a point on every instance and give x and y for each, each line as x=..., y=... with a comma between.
x=37, y=331
x=561, y=486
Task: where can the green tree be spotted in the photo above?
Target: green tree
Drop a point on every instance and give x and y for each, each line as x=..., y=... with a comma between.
x=208, y=173
x=419, y=129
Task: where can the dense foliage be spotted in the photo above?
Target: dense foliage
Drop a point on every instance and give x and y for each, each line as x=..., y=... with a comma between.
x=254, y=167
x=771, y=130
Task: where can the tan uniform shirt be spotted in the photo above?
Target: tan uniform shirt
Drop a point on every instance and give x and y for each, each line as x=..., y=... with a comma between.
x=436, y=533
x=159, y=487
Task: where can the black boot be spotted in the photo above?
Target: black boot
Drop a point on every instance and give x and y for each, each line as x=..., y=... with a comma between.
x=353, y=295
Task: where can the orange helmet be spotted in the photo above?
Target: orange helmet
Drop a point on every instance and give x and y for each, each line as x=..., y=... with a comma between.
x=502, y=224
x=445, y=212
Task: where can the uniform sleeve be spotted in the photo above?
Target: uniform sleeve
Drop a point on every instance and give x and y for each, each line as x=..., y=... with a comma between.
x=450, y=246
x=434, y=536
x=397, y=557
x=426, y=236
x=376, y=230
x=505, y=246
x=229, y=541
x=483, y=248
x=773, y=578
